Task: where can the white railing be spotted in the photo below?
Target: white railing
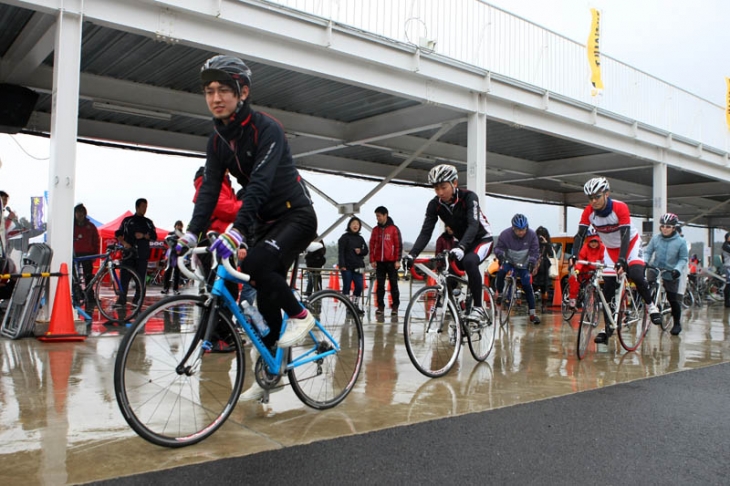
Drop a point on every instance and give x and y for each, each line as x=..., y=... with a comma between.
x=476, y=33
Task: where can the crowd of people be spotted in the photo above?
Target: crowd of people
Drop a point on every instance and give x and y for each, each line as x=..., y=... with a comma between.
x=271, y=220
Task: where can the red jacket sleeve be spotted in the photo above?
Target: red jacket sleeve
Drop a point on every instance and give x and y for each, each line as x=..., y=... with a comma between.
x=228, y=205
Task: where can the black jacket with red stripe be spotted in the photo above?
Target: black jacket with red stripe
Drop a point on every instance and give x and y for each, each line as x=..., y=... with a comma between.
x=254, y=149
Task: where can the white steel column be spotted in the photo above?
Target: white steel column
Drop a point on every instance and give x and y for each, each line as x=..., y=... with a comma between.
x=563, y=219
x=659, y=174
x=64, y=129
x=476, y=150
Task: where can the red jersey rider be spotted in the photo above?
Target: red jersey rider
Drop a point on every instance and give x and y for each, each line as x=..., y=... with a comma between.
x=612, y=221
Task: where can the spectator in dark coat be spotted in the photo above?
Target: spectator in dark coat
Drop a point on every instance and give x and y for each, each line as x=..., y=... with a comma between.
x=352, y=250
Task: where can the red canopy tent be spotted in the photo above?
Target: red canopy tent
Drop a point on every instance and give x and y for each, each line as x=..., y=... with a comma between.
x=106, y=237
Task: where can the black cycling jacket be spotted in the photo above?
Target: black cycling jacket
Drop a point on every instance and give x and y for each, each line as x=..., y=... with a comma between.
x=254, y=149
x=463, y=216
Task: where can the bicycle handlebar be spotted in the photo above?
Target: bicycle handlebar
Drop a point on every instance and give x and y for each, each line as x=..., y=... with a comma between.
x=193, y=275
x=600, y=265
x=660, y=271
x=239, y=275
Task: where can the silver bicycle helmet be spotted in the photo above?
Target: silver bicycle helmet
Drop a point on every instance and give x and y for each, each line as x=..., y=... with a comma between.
x=596, y=186
x=442, y=173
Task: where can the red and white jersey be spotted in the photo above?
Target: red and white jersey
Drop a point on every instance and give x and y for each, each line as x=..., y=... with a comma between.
x=608, y=227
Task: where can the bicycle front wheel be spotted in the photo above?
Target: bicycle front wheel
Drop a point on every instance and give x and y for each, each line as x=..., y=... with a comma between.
x=481, y=334
x=325, y=381
x=632, y=321
x=568, y=313
x=169, y=391
x=590, y=317
x=508, y=300
x=688, y=299
x=112, y=302
x=432, y=332
x=666, y=311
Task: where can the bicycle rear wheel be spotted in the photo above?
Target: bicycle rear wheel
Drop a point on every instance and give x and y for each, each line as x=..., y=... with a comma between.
x=432, y=332
x=326, y=381
x=715, y=289
x=169, y=391
x=114, y=304
x=508, y=300
x=590, y=317
x=481, y=334
x=632, y=321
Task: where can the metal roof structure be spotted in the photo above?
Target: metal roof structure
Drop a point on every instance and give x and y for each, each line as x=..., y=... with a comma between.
x=139, y=85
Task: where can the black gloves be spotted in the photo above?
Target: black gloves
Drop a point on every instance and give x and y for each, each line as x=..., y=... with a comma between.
x=621, y=265
x=676, y=274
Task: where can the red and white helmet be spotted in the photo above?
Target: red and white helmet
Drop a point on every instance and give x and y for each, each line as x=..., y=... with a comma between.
x=669, y=219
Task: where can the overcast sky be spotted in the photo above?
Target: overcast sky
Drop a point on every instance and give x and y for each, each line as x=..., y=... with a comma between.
x=684, y=43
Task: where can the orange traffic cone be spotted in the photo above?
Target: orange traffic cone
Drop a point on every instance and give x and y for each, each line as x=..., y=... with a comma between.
x=557, y=293
x=61, y=328
x=334, y=282
x=390, y=295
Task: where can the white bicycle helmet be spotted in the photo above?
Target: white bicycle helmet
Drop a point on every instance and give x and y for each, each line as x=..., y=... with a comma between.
x=442, y=173
x=596, y=186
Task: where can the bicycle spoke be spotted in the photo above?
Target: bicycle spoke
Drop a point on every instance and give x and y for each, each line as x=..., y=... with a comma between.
x=325, y=382
x=433, y=351
x=165, y=400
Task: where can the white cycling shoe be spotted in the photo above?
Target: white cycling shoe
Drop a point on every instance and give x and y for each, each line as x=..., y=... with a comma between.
x=296, y=330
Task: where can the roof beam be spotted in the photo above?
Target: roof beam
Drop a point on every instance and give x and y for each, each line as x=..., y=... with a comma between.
x=34, y=44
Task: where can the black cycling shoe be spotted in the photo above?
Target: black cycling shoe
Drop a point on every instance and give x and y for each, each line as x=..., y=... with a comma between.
x=601, y=338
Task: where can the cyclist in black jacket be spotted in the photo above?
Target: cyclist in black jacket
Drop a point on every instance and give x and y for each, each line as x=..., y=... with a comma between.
x=459, y=209
x=277, y=221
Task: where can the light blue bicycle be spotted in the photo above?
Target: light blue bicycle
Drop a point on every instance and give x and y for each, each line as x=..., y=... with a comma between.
x=174, y=391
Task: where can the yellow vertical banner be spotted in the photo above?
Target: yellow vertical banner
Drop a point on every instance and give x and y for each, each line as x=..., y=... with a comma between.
x=727, y=104
x=594, y=52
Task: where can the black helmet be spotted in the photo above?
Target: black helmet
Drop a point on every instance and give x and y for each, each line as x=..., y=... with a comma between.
x=227, y=70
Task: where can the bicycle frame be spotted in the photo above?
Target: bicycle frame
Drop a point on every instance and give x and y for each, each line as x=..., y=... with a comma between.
x=107, y=261
x=274, y=363
x=442, y=279
x=621, y=287
x=436, y=325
